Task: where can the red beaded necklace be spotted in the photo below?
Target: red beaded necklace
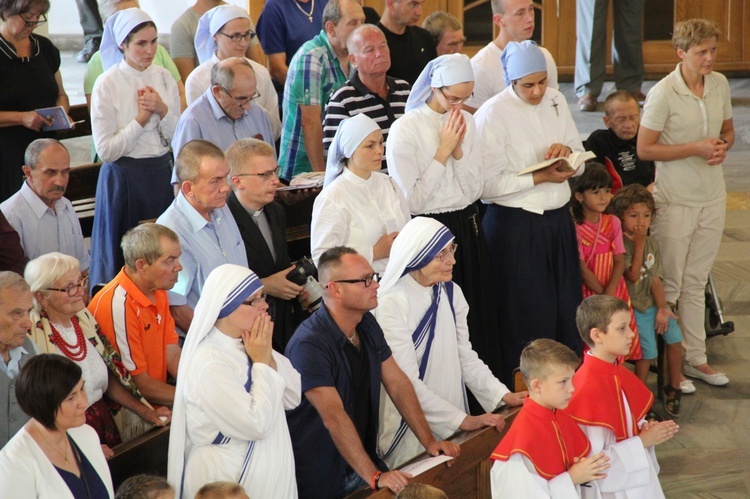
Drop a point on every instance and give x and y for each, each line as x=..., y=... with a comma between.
x=76, y=352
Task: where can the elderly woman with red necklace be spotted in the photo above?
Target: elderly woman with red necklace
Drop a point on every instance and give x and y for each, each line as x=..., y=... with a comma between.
x=62, y=325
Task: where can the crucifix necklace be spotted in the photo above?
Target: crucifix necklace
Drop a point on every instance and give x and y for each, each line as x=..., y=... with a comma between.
x=555, y=104
x=310, y=14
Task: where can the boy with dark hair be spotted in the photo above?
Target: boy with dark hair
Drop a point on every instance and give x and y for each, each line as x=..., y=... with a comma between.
x=544, y=452
x=615, y=146
x=610, y=402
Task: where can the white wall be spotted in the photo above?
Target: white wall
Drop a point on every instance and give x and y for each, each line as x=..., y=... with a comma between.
x=63, y=15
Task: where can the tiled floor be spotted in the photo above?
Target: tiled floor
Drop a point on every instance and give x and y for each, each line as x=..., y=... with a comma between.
x=709, y=456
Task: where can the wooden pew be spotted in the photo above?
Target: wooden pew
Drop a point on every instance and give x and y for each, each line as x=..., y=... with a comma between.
x=81, y=192
x=469, y=476
x=77, y=113
x=146, y=453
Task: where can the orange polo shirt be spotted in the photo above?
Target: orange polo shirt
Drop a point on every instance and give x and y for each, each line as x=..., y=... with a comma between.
x=138, y=328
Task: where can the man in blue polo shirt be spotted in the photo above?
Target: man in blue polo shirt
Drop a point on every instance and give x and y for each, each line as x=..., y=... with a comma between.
x=342, y=357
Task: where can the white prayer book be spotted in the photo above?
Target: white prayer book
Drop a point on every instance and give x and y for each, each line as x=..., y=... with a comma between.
x=569, y=164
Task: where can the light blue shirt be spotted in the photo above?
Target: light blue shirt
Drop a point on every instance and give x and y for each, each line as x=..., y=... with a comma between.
x=205, y=119
x=205, y=246
x=12, y=368
x=43, y=230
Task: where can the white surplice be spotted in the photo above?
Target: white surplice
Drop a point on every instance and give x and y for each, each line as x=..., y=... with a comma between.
x=515, y=135
x=429, y=186
x=633, y=470
x=517, y=477
x=216, y=401
x=355, y=212
x=452, y=363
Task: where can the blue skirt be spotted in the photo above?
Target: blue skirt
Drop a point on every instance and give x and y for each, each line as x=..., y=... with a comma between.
x=128, y=192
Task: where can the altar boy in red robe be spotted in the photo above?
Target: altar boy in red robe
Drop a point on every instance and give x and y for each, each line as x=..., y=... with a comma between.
x=544, y=453
x=610, y=403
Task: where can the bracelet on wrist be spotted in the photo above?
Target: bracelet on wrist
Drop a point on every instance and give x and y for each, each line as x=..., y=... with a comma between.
x=375, y=480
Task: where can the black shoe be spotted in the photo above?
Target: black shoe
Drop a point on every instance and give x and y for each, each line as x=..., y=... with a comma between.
x=672, y=398
x=89, y=49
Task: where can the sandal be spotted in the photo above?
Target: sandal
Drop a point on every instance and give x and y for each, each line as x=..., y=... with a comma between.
x=672, y=400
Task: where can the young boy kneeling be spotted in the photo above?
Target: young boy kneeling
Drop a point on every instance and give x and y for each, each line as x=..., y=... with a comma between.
x=543, y=454
x=610, y=403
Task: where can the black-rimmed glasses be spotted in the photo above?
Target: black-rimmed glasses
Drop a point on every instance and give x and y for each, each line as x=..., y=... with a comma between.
x=238, y=37
x=33, y=24
x=72, y=289
x=242, y=101
x=264, y=175
x=366, y=280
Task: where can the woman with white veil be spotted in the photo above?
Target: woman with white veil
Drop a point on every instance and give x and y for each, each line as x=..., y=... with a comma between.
x=228, y=419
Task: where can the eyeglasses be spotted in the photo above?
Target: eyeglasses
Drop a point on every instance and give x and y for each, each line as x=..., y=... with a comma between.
x=254, y=302
x=238, y=37
x=454, y=101
x=33, y=24
x=242, y=101
x=72, y=289
x=366, y=280
x=447, y=251
x=265, y=175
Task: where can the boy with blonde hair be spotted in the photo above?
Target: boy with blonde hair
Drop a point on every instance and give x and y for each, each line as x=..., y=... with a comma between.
x=610, y=403
x=543, y=454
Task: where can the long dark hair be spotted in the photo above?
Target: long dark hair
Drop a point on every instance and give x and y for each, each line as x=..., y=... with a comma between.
x=595, y=176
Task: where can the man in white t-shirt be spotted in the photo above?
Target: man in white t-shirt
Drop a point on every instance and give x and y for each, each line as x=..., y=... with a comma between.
x=515, y=20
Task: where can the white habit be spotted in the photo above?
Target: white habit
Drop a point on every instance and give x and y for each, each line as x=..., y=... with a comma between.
x=355, y=212
x=429, y=186
x=114, y=106
x=452, y=364
x=216, y=401
x=515, y=135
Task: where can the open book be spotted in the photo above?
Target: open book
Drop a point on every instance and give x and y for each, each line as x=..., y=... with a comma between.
x=57, y=116
x=569, y=164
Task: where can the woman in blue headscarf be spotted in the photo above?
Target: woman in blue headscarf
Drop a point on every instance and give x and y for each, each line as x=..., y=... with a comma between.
x=135, y=106
x=359, y=207
x=535, y=264
x=423, y=316
x=228, y=421
x=433, y=154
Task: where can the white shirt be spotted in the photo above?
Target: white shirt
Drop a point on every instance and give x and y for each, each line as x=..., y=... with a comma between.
x=27, y=473
x=200, y=80
x=452, y=363
x=216, y=401
x=356, y=212
x=515, y=135
x=94, y=371
x=489, y=79
x=428, y=186
x=114, y=106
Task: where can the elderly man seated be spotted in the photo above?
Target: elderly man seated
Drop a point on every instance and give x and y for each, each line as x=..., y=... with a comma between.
x=44, y=219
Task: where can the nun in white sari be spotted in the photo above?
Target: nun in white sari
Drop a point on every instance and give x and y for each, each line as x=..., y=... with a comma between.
x=423, y=316
x=228, y=421
x=359, y=207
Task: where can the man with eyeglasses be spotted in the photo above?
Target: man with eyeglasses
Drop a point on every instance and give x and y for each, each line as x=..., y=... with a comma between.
x=254, y=178
x=515, y=21
x=132, y=310
x=16, y=348
x=318, y=68
x=226, y=112
x=209, y=236
x=43, y=217
x=342, y=357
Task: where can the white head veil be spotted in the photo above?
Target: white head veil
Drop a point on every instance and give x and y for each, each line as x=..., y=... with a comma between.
x=209, y=24
x=446, y=70
x=350, y=134
x=225, y=289
x=416, y=245
x=116, y=29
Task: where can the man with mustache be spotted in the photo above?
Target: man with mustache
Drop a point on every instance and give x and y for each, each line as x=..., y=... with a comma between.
x=44, y=219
